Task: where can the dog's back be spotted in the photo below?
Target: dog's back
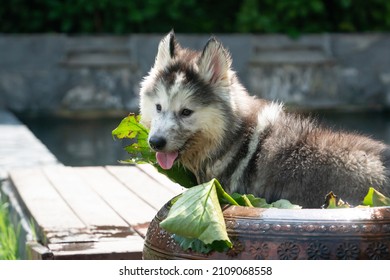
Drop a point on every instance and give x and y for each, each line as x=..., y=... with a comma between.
x=277, y=155
x=302, y=162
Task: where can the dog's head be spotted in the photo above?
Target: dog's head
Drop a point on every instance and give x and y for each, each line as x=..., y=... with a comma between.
x=185, y=97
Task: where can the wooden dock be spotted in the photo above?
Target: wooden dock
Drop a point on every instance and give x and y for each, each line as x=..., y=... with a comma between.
x=90, y=212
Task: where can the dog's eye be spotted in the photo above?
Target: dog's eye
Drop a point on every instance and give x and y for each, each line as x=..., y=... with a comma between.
x=186, y=112
x=158, y=107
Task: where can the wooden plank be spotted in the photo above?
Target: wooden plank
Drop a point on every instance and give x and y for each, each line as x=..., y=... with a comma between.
x=129, y=248
x=42, y=200
x=91, y=234
x=161, y=178
x=143, y=185
x=87, y=205
x=36, y=251
x=128, y=205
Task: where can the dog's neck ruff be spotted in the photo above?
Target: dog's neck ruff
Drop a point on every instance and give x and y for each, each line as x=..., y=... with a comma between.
x=245, y=140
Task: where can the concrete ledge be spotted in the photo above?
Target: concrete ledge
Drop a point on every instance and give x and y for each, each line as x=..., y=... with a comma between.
x=52, y=74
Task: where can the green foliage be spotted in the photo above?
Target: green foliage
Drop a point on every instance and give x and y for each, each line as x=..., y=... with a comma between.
x=196, y=217
x=332, y=201
x=140, y=152
x=250, y=200
x=8, y=235
x=194, y=16
x=131, y=128
x=375, y=198
x=198, y=246
x=197, y=214
x=302, y=16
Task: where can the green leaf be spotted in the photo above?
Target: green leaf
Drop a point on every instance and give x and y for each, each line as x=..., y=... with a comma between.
x=130, y=127
x=224, y=196
x=285, y=204
x=198, y=246
x=140, y=153
x=375, y=198
x=250, y=200
x=197, y=214
x=257, y=201
x=332, y=201
x=178, y=174
x=192, y=244
x=247, y=201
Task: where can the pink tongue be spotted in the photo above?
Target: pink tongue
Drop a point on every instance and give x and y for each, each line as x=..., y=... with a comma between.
x=166, y=160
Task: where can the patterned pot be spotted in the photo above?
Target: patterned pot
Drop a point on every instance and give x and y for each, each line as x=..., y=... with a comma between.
x=349, y=234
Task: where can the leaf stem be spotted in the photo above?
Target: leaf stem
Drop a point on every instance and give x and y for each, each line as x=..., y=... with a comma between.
x=247, y=201
x=221, y=193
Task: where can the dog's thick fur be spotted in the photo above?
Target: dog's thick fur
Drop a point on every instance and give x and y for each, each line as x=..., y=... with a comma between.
x=200, y=115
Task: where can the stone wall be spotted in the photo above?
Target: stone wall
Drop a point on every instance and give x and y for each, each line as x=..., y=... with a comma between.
x=89, y=75
x=327, y=71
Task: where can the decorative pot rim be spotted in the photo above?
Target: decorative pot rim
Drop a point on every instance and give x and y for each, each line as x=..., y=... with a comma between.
x=271, y=233
x=309, y=214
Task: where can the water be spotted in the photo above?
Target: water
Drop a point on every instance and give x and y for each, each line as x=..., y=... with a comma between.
x=89, y=142
x=80, y=142
x=373, y=124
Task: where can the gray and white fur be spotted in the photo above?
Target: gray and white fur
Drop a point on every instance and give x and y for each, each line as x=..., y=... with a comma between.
x=201, y=116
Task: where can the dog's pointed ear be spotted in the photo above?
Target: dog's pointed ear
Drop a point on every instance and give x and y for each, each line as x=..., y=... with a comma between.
x=167, y=50
x=214, y=63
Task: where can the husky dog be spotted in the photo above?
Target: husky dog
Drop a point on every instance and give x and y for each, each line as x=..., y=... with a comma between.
x=201, y=116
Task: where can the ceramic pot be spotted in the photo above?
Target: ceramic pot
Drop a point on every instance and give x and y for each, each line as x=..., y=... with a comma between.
x=356, y=233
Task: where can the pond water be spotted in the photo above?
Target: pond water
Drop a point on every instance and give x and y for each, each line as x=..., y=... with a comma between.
x=373, y=124
x=79, y=142
x=89, y=142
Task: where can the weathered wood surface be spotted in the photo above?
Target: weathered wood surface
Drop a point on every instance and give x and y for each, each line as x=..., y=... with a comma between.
x=19, y=147
x=91, y=212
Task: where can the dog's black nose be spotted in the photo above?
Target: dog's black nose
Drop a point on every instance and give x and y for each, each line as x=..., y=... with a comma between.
x=157, y=143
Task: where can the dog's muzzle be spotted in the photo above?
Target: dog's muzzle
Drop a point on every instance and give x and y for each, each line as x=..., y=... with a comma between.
x=157, y=143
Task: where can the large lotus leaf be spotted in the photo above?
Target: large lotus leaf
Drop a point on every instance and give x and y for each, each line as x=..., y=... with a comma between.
x=197, y=214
